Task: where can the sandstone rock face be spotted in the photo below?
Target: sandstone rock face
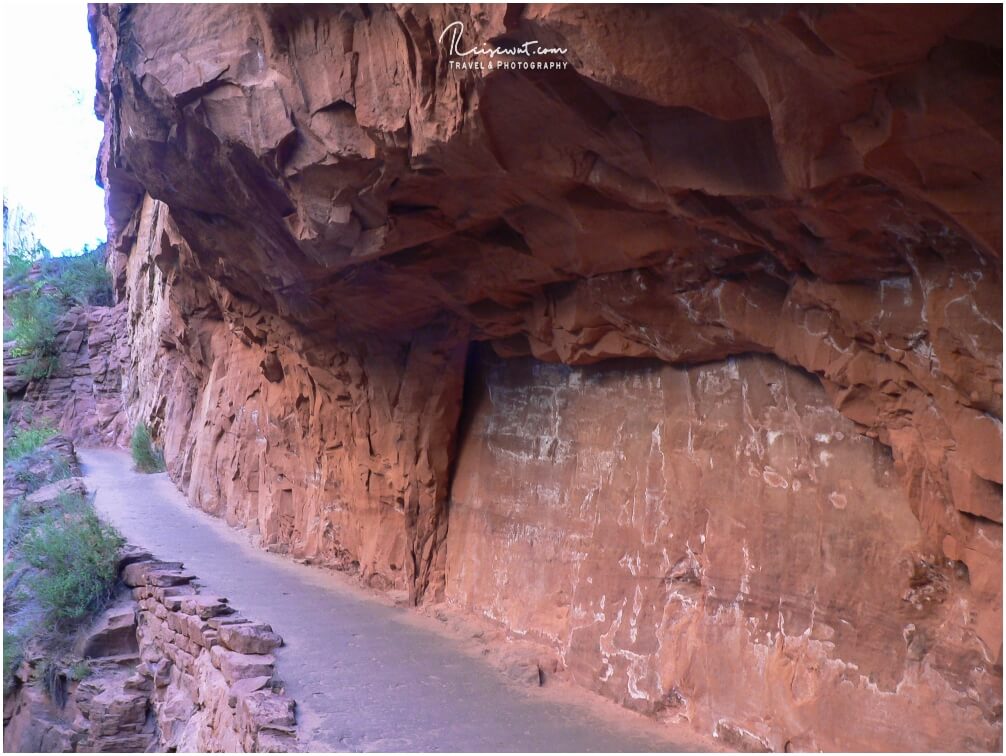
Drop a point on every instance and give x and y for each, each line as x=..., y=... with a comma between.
x=47, y=496
x=103, y=713
x=52, y=708
x=159, y=678
x=315, y=216
x=82, y=396
x=727, y=530
x=114, y=634
x=14, y=380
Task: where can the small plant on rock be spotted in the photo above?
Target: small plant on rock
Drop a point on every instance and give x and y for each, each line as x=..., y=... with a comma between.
x=80, y=670
x=20, y=258
x=13, y=527
x=148, y=459
x=54, y=680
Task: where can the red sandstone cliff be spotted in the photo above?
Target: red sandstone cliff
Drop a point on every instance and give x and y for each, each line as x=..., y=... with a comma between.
x=378, y=310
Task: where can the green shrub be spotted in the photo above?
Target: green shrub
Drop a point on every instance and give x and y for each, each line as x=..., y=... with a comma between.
x=39, y=366
x=58, y=470
x=83, y=279
x=10, y=567
x=62, y=282
x=26, y=440
x=13, y=652
x=76, y=555
x=147, y=458
x=80, y=670
x=16, y=267
x=33, y=326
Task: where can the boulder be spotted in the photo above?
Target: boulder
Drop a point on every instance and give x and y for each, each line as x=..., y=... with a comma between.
x=204, y=606
x=136, y=574
x=236, y=666
x=245, y=687
x=114, y=634
x=249, y=638
x=49, y=495
x=264, y=709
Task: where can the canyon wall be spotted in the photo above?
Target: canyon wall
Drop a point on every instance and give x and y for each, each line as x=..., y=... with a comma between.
x=681, y=353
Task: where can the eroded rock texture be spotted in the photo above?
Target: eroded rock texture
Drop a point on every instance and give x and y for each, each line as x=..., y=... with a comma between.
x=796, y=540
x=82, y=393
x=725, y=545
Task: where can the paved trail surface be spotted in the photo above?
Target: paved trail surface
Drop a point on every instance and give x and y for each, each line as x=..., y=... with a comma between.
x=363, y=678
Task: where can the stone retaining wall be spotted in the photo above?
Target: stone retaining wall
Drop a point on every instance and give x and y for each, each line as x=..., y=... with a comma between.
x=211, y=670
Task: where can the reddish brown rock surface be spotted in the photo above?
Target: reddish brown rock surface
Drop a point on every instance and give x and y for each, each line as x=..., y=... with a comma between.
x=82, y=394
x=726, y=549
x=314, y=216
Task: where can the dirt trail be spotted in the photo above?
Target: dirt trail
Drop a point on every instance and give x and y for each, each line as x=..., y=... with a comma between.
x=364, y=677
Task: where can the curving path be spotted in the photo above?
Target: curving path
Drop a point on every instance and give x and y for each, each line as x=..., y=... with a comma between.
x=364, y=679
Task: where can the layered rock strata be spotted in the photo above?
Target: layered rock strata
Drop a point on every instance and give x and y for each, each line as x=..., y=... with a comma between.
x=22, y=478
x=315, y=213
x=106, y=712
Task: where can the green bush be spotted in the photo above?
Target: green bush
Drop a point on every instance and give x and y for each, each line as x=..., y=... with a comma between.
x=147, y=458
x=13, y=652
x=33, y=326
x=16, y=267
x=33, y=480
x=76, y=555
x=62, y=282
x=83, y=279
x=80, y=670
x=26, y=440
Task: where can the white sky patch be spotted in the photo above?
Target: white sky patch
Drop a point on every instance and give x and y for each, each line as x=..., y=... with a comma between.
x=49, y=136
